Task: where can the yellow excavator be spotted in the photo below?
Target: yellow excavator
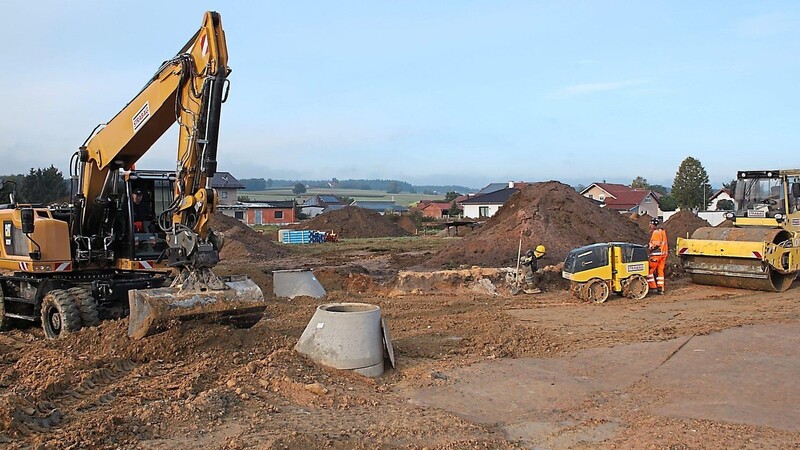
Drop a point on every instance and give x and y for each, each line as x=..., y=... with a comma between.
x=111, y=254
x=762, y=250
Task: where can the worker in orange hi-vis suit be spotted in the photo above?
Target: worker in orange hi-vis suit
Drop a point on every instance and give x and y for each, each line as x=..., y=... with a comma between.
x=658, y=256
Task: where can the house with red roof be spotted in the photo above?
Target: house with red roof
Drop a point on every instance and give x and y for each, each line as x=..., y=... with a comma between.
x=622, y=198
x=437, y=210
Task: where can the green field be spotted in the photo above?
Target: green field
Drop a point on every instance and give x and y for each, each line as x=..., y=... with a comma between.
x=403, y=198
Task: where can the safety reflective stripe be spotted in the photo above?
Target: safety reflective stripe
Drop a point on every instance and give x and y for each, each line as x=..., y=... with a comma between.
x=63, y=266
x=145, y=265
x=23, y=266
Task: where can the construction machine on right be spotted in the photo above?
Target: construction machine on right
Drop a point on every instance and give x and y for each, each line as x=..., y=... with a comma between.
x=761, y=251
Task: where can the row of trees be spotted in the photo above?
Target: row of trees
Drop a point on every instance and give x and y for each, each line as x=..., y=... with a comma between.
x=44, y=186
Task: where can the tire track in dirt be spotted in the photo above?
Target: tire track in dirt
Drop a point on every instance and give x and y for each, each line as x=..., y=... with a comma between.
x=59, y=404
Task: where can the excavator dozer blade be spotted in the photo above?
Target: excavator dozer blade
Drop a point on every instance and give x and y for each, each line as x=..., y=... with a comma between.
x=152, y=310
x=733, y=257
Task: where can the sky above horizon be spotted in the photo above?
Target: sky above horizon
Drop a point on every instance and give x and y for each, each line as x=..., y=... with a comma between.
x=446, y=92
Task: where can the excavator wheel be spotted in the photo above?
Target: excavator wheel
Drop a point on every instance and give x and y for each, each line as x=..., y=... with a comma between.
x=86, y=304
x=636, y=287
x=60, y=315
x=5, y=322
x=597, y=290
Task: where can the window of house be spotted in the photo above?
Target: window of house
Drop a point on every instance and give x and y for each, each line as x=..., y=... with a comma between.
x=483, y=211
x=223, y=194
x=602, y=197
x=279, y=214
x=591, y=196
x=648, y=199
x=238, y=215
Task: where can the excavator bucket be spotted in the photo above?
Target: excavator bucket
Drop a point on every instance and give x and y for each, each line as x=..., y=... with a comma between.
x=241, y=304
x=735, y=257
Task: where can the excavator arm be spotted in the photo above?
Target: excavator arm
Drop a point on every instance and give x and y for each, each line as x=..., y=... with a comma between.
x=188, y=89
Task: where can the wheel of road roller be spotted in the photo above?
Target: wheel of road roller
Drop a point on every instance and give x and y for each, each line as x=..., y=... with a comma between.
x=597, y=290
x=87, y=306
x=636, y=287
x=60, y=315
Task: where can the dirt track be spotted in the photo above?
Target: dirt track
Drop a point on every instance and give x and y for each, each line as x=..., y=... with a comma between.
x=214, y=387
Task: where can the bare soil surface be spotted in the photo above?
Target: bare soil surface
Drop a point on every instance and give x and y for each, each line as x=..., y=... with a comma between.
x=682, y=224
x=200, y=385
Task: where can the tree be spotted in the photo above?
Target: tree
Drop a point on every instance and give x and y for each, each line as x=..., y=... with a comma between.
x=44, y=186
x=299, y=188
x=667, y=203
x=394, y=188
x=243, y=198
x=690, y=187
x=269, y=182
x=725, y=205
x=658, y=188
x=731, y=186
x=454, y=210
x=640, y=183
x=450, y=196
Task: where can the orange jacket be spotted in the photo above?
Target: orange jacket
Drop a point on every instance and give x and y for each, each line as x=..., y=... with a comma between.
x=658, y=242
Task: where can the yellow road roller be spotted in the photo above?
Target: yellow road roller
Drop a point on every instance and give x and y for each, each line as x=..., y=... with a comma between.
x=596, y=270
x=761, y=251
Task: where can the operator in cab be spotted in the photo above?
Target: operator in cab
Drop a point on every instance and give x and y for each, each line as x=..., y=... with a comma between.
x=142, y=215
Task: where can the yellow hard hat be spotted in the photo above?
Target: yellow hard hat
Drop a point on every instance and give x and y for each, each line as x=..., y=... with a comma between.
x=540, y=251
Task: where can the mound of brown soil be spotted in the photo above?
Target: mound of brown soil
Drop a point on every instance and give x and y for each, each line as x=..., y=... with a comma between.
x=682, y=224
x=354, y=222
x=407, y=224
x=643, y=221
x=242, y=242
x=549, y=213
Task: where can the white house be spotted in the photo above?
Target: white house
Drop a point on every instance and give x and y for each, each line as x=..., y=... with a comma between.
x=722, y=194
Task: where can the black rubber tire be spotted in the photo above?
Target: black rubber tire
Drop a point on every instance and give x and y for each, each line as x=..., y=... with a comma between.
x=5, y=322
x=60, y=315
x=87, y=306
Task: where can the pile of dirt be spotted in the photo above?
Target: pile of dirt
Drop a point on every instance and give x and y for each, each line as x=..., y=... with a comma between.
x=407, y=224
x=353, y=222
x=242, y=242
x=682, y=224
x=549, y=213
x=643, y=221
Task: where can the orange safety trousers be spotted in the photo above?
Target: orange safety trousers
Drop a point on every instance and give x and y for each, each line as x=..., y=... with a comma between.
x=656, y=276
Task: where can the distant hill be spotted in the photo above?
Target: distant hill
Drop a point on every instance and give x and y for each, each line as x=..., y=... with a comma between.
x=390, y=186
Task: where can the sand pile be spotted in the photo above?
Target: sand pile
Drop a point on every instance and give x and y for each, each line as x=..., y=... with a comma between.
x=549, y=213
x=354, y=222
x=241, y=241
x=682, y=224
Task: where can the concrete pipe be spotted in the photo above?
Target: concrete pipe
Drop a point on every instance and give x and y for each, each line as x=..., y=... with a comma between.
x=295, y=283
x=345, y=336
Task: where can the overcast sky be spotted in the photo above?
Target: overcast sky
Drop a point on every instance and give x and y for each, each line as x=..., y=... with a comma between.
x=444, y=92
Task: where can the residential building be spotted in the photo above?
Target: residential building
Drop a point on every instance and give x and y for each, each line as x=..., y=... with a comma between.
x=622, y=198
x=486, y=205
x=722, y=194
x=227, y=187
x=317, y=204
x=262, y=213
x=437, y=210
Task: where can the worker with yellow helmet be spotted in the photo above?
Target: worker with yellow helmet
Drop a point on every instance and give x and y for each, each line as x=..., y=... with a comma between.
x=530, y=267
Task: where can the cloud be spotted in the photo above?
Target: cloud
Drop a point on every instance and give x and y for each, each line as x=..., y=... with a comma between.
x=765, y=25
x=577, y=90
